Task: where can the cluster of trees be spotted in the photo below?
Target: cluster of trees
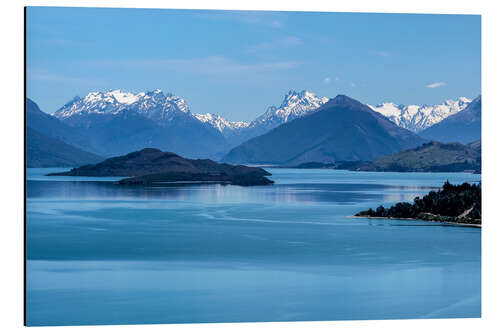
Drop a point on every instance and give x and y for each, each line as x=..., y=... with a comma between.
x=458, y=203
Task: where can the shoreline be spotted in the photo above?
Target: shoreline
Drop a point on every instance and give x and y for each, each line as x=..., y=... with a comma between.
x=413, y=219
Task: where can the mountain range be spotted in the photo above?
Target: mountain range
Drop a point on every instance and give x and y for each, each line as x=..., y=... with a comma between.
x=297, y=104
x=47, y=141
x=341, y=129
x=119, y=122
x=463, y=127
x=294, y=105
x=417, y=118
x=165, y=108
x=116, y=122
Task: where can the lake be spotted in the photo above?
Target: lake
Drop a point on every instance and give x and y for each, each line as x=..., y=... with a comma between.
x=102, y=253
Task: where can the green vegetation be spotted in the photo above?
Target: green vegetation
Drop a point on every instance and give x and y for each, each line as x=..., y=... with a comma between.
x=453, y=203
x=429, y=157
x=432, y=156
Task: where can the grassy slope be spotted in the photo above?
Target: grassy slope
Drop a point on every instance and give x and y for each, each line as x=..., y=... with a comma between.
x=429, y=156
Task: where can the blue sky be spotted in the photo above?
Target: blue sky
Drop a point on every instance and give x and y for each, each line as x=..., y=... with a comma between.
x=236, y=63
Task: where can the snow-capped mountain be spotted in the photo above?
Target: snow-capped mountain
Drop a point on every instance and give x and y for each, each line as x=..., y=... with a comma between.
x=417, y=118
x=463, y=127
x=343, y=129
x=294, y=105
x=117, y=122
x=154, y=105
x=221, y=124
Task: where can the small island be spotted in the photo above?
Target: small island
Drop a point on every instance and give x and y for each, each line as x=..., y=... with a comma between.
x=151, y=166
x=459, y=204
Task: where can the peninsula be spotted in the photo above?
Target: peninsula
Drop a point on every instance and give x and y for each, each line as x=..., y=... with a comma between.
x=429, y=157
x=453, y=203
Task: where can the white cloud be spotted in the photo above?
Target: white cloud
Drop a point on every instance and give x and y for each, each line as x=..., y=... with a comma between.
x=436, y=85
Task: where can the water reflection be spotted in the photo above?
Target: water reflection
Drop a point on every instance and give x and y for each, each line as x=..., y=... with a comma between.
x=216, y=193
x=102, y=253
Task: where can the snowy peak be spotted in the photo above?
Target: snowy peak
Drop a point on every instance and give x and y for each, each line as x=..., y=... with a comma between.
x=124, y=97
x=220, y=123
x=294, y=101
x=417, y=118
x=294, y=105
x=164, y=108
x=152, y=104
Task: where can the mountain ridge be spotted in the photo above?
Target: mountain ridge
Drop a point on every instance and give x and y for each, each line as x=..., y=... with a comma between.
x=118, y=122
x=46, y=152
x=417, y=118
x=341, y=129
x=113, y=122
x=464, y=126
x=157, y=105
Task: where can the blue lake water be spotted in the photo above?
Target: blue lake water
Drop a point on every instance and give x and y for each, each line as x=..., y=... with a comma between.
x=102, y=253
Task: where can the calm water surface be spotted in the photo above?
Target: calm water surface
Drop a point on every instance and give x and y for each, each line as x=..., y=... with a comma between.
x=101, y=253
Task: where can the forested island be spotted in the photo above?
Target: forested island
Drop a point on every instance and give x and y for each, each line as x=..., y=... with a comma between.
x=151, y=166
x=453, y=203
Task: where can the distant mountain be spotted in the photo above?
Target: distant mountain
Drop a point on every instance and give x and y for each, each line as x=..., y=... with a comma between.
x=476, y=145
x=154, y=105
x=117, y=122
x=52, y=127
x=226, y=127
x=463, y=127
x=341, y=129
x=154, y=167
x=298, y=104
x=294, y=105
x=417, y=118
x=430, y=157
x=51, y=143
x=43, y=152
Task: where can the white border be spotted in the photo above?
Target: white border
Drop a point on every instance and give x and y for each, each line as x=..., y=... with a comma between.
x=11, y=115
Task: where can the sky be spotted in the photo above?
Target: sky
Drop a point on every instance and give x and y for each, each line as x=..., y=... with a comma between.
x=238, y=63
